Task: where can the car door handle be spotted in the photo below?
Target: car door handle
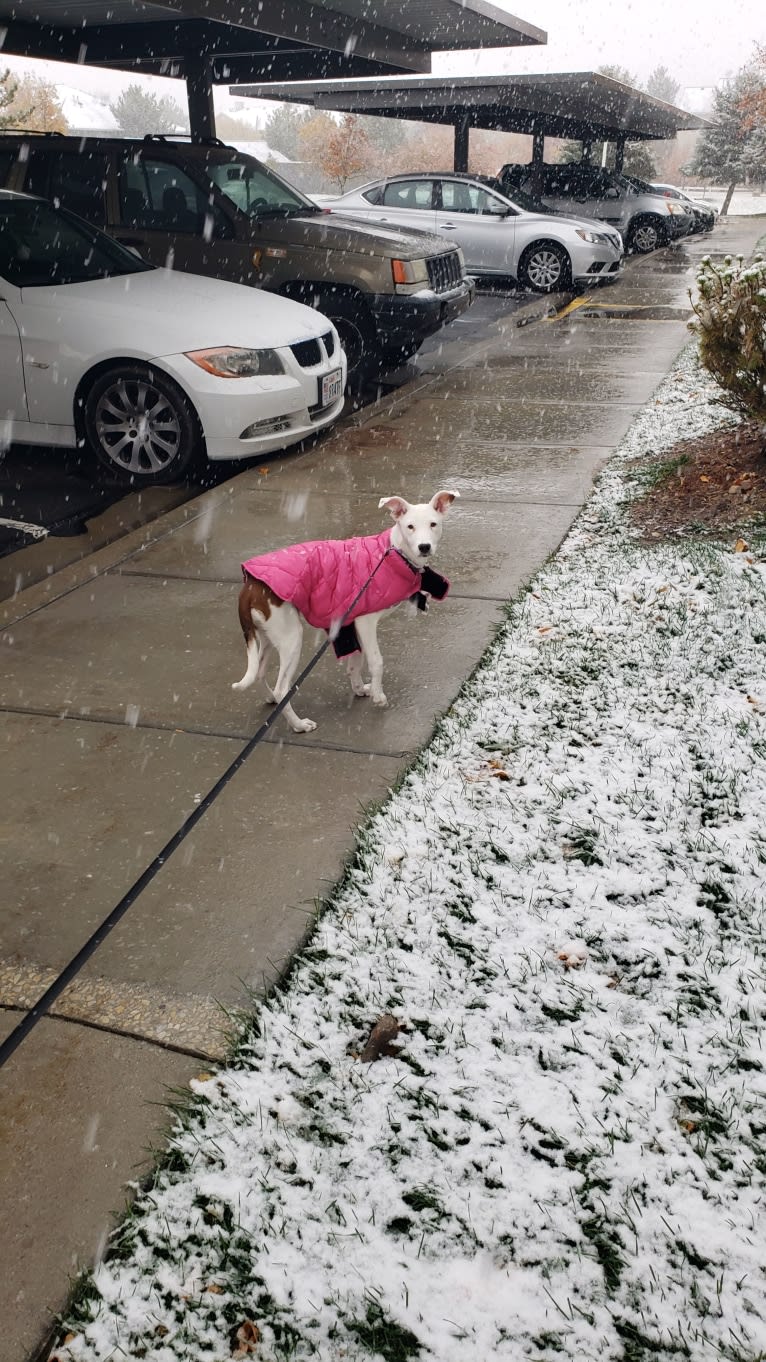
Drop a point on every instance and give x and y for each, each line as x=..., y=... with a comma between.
x=451, y=225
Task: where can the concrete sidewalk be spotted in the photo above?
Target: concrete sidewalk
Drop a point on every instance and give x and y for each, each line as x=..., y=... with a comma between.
x=118, y=714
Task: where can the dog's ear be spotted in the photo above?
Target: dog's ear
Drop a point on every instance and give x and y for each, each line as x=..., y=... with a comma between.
x=441, y=501
x=396, y=505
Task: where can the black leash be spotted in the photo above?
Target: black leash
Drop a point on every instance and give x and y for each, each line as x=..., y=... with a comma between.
x=54, y=990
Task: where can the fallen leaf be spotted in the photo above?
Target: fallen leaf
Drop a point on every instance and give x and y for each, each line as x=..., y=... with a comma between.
x=741, y=546
x=203, y=1078
x=262, y=472
x=247, y=1337
x=214, y=1288
x=500, y=775
x=704, y=477
x=689, y=1125
x=379, y=1043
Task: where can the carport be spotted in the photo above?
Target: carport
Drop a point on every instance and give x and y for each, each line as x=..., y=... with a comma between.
x=213, y=42
x=583, y=105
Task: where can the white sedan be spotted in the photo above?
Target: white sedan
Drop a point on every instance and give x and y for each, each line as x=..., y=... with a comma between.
x=150, y=369
x=497, y=236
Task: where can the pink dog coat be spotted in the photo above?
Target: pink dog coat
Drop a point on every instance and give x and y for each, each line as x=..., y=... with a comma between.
x=323, y=577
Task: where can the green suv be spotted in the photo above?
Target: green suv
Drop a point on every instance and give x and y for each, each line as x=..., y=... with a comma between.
x=207, y=208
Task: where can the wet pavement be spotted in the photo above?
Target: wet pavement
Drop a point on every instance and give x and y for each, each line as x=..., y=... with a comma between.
x=117, y=716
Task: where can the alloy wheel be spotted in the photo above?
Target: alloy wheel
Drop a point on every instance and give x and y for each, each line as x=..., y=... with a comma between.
x=137, y=426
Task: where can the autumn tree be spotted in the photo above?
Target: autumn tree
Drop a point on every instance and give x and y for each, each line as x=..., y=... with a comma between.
x=9, y=115
x=36, y=105
x=139, y=111
x=347, y=152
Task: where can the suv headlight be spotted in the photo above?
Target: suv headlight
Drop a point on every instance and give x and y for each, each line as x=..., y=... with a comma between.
x=593, y=237
x=232, y=361
x=409, y=271
x=674, y=209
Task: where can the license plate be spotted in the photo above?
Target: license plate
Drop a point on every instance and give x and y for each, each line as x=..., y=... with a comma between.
x=331, y=387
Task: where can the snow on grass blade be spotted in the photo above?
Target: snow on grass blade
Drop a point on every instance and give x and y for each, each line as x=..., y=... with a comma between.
x=564, y=904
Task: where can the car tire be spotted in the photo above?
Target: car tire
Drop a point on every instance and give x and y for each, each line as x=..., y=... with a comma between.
x=645, y=234
x=358, y=337
x=140, y=426
x=545, y=267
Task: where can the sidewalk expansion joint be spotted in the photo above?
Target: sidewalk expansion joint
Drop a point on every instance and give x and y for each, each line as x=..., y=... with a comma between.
x=187, y=1023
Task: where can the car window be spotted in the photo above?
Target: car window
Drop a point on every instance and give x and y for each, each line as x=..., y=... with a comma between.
x=7, y=159
x=460, y=197
x=408, y=194
x=159, y=196
x=42, y=245
x=374, y=195
x=78, y=182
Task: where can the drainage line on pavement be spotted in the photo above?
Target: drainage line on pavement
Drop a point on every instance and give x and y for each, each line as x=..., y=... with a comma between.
x=54, y=990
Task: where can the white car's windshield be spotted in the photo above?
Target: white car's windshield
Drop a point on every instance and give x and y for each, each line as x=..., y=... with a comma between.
x=40, y=245
x=253, y=188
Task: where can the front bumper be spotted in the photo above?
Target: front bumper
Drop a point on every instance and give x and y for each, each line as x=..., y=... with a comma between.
x=592, y=260
x=680, y=225
x=284, y=408
x=404, y=318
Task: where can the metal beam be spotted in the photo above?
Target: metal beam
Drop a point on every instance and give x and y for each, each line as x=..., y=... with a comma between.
x=462, y=140
x=619, y=154
x=199, y=93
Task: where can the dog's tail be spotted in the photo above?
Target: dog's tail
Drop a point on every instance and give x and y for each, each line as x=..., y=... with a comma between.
x=251, y=642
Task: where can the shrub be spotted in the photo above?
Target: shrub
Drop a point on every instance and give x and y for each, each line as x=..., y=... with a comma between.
x=731, y=324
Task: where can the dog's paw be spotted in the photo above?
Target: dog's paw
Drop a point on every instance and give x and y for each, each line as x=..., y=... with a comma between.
x=380, y=699
x=361, y=689
x=303, y=726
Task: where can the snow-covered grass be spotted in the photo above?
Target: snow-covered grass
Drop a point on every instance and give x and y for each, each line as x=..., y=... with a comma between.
x=563, y=903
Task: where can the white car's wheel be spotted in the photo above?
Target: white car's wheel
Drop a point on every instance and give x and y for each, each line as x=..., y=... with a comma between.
x=545, y=267
x=140, y=426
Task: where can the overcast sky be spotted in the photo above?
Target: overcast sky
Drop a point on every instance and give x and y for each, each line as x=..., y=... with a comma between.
x=700, y=41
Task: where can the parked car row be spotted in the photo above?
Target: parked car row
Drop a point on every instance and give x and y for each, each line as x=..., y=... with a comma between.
x=103, y=345
x=646, y=215
x=124, y=326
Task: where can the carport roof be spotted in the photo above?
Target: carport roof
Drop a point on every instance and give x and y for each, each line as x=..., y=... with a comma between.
x=571, y=104
x=262, y=39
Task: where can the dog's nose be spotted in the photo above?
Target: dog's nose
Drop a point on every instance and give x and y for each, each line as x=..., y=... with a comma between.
x=424, y=549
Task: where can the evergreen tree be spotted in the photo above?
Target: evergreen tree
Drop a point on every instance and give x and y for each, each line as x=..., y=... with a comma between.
x=139, y=111
x=734, y=149
x=283, y=130
x=661, y=85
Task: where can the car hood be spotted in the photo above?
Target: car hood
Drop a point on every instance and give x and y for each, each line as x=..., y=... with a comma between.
x=166, y=313
x=354, y=234
x=585, y=224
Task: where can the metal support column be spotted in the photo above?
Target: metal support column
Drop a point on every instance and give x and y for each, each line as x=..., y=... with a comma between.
x=199, y=93
x=587, y=150
x=538, y=161
x=462, y=134
x=619, y=154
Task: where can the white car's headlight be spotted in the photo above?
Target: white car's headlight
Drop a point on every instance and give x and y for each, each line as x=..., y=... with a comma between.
x=231, y=361
x=593, y=237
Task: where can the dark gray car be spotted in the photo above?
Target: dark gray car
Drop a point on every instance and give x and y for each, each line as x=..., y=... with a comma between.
x=644, y=219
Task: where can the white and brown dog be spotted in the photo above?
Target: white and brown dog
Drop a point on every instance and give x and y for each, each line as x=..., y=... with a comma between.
x=343, y=586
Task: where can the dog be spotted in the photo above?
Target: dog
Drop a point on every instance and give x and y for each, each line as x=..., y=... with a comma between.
x=343, y=586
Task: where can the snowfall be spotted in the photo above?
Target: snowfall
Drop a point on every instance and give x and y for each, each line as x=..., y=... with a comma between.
x=561, y=905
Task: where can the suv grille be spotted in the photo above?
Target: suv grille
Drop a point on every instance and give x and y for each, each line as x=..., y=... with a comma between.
x=444, y=271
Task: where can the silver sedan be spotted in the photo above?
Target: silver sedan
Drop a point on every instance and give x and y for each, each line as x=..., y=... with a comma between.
x=497, y=236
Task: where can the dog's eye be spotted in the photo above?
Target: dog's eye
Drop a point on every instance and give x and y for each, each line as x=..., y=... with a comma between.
x=433, y=524
x=410, y=527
